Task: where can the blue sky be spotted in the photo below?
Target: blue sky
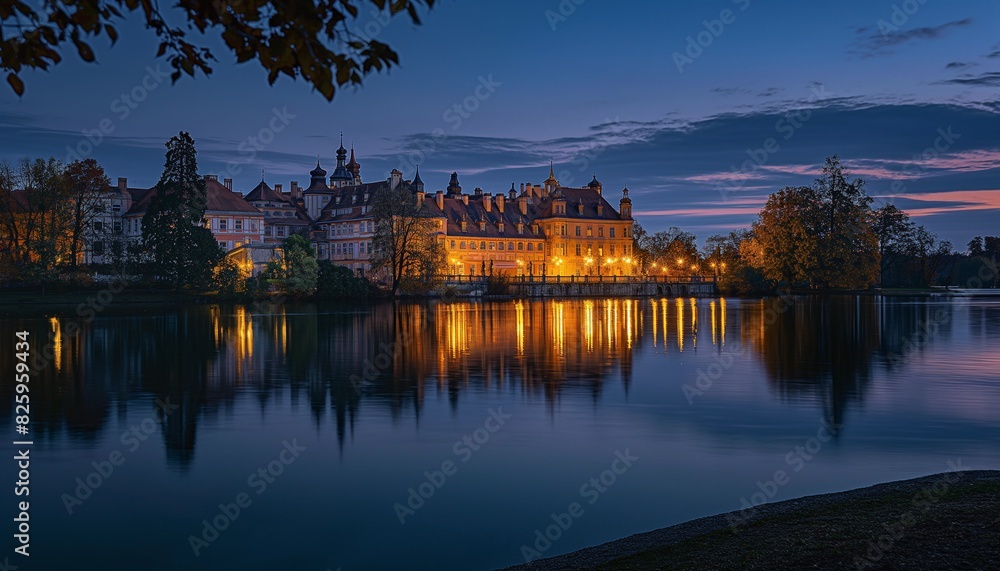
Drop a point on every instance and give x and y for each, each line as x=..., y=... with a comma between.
x=904, y=92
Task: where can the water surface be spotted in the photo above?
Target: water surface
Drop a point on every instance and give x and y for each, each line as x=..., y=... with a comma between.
x=709, y=397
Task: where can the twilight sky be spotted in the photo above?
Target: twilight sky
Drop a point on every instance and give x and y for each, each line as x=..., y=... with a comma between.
x=905, y=92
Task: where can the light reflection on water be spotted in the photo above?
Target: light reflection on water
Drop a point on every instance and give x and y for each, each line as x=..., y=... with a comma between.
x=380, y=395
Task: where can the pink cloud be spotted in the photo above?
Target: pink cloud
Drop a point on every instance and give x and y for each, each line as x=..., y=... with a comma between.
x=961, y=200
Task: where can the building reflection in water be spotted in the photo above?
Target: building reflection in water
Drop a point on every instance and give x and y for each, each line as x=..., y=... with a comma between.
x=333, y=359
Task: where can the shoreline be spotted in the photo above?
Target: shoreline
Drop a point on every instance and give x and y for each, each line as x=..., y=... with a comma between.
x=837, y=531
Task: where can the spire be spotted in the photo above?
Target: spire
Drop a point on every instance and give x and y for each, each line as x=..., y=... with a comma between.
x=417, y=183
x=353, y=166
x=261, y=175
x=552, y=172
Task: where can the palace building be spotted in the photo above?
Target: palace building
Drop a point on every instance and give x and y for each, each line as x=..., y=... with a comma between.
x=531, y=230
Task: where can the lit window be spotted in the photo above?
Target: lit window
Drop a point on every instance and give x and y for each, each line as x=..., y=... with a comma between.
x=590, y=231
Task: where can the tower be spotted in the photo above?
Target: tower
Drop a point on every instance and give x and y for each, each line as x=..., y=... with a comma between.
x=625, y=204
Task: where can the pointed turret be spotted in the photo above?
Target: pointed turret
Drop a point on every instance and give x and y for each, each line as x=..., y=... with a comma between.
x=418, y=185
x=354, y=167
x=341, y=176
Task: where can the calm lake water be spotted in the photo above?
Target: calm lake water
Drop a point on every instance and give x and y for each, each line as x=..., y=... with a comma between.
x=504, y=410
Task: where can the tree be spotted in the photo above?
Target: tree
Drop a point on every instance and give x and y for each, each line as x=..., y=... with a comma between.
x=34, y=218
x=338, y=282
x=894, y=232
x=405, y=243
x=299, y=270
x=320, y=41
x=671, y=248
x=182, y=250
x=784, y=244
x=976, y=246
x=930, y=253
x=848, y=245
x=87, y=187
x=231, y=277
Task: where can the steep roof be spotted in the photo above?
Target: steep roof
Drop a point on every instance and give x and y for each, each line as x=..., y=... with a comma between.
x=590, y=199
x=219, y=199
x=264, y=193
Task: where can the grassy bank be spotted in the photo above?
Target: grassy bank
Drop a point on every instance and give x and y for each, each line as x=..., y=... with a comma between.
x=947, y=521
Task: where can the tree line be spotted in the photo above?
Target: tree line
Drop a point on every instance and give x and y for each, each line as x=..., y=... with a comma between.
x=50, y=212
x=825, y=236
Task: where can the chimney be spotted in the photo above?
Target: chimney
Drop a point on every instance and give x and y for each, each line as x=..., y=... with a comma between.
x=228, y=182
x=478, y=191
x=277, y=188
x=465, y=199
x=522, y=203
x=439, y=199
x=522, y=188
x=500, y=202
x=295, y=191
x=122, y=183
x=395, y=178
x=487, y=202
x=209, y=177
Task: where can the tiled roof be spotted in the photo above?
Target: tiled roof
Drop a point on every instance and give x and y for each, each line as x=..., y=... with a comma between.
x=264, y=193
x=589, y=197
x=220, y=199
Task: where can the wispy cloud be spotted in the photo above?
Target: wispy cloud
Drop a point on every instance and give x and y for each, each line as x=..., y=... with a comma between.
x=988, y=79
x=874, y=42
